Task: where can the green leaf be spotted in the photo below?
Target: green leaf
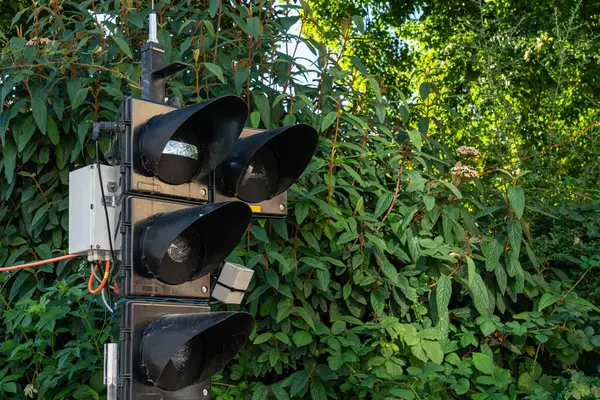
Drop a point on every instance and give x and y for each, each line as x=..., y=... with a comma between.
x=547, y=300
x=273, y=356
x=360, y=24
x=424, y=125
x=282, y=337
x=259, y=233
x=122, y=45
x=377, y=241
x=470, y=270
x=501, y=278
x=302, y=338
x=383, y=203
x=328, y=120
x=4, y=121
x=26, y=132
x=313, y=263
x=415, y=139
x=9, y=158
x=52, y=131
x=280, y=227
x=79, y=98
x=260, y=392
x=240, y=78
x=492, y=250
x=453, y=188
x=301, y=212
x=40, y=113
x=430, y=334
x=377, y=302
x=515, y=233
x=255, y=119
x=483, y=363
x=323, y=276
x=516, y=199
x=443, y=292
x=317, y=390
x=284, y=309
x=346, y=237
x=429, y=202
x=262, y=338
x=347, y=290
x=262, y=103
x=305, y=316
x=480, y=295
x=213, y=7
x=39, y=214
x=279, y=392
x=216, y=70
x=272, y=278
x=375, y=86
x=299, y=380
x=433, y=351
x=424, y=90
x=355, y=175
x=253, y=27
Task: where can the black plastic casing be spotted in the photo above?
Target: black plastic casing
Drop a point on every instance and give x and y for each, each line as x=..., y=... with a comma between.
x=135, y=317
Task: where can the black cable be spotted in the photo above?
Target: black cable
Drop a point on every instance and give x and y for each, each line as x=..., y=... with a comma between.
x=112, y=252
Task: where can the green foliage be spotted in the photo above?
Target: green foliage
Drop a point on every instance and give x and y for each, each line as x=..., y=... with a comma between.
x=396, y=275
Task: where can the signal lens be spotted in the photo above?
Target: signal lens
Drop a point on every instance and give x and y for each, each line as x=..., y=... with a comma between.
x=180, y=161
x=183, y=258
x=260, y=178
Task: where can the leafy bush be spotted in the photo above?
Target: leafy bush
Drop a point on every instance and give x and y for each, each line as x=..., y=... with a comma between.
x=396, y=275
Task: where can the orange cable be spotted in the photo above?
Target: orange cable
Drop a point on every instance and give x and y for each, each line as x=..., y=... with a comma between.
x=36, y=263
x=104, y=279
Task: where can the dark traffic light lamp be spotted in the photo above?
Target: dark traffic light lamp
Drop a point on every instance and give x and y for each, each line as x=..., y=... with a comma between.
x=170, y=248
x=262, y=165
x=172, y=349
x=169, y=151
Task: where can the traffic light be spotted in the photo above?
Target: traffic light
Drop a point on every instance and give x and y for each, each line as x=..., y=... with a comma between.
x=262, y=165
x=172, y=240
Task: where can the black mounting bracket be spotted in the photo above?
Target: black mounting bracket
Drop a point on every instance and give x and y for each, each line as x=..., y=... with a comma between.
x=154, y=71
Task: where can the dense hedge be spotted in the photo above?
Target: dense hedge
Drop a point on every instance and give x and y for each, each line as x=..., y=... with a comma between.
x=396, y=275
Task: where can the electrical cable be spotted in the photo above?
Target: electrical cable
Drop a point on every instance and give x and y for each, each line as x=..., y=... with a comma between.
x=104, y=279
x=105, y=301
x=37, y=263
x=110, y=244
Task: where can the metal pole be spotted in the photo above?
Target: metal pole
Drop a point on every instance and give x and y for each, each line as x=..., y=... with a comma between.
x=110, y=370
x=153, y=59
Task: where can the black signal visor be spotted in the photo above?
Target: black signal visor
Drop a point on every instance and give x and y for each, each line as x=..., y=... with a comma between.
x=179, y=350
x=266, y=164
x=183, y=245
x=188, y=143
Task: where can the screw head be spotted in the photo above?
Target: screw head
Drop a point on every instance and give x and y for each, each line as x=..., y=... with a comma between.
x=204, y=289
x=205, y=392
x=281, y=207
x=203, y=192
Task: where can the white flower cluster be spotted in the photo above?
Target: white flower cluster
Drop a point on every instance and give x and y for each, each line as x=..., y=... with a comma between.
x=469, y=152
x=37, y=41
x=460, y=171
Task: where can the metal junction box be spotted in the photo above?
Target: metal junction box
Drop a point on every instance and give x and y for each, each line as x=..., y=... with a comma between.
x=88, y=233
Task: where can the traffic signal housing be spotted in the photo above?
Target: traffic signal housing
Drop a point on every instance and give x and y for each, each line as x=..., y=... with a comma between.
x=263, y=164
x=172, y=350
x=170, y=248
x=172, y=240
x=169, y=151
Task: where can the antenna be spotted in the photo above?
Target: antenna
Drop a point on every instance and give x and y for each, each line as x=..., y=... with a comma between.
x=152, y=38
